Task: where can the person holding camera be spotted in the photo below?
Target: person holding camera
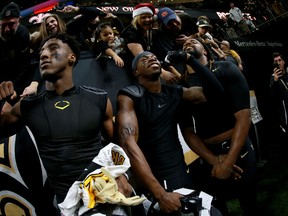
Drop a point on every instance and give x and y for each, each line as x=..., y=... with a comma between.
x=146, y=124
x=174, y=29
x=279, y=96
x=223, y=124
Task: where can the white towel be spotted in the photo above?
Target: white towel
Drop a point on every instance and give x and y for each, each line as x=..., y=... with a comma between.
x=100, y=186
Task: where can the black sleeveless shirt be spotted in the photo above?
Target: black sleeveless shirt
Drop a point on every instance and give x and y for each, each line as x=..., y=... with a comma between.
x=67, y=131
x=157, y=115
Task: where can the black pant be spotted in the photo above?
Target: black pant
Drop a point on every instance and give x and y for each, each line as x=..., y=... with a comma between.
x=243, y=189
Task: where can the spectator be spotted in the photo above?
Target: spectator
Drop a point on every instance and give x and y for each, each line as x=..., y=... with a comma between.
x=138, y=35
x=53, y=24
x=84, y=23
x=235, y=13
x=279, y=96
x=146, y=122
x=231, y=55
x=91, y=17
x=204, y=23
x=237, y=16
x=249, y=23
x=82, y=26
x=108, y=44
x=223, y=124
x=174, y=28
x=278, y=7
x=67, y=143
x=204, y=26
x=115, y=22
x=229, y=26
x=14, y=51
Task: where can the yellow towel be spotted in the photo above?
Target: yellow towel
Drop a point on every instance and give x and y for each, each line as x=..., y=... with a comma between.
x=102, y=188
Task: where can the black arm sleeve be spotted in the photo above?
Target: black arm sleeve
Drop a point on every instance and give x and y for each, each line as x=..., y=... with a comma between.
x=210, y=84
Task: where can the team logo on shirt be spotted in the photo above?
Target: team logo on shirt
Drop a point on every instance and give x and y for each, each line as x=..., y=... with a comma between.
x=62, y=105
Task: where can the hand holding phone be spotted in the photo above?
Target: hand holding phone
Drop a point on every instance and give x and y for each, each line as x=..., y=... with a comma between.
x=276, y=72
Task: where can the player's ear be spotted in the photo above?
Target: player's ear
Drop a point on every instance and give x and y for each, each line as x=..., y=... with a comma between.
x=72, y=59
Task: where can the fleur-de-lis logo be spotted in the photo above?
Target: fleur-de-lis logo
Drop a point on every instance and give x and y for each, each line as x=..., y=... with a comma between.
x=38, y=18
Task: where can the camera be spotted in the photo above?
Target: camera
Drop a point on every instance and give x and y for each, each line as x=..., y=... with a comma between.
x=191, y=206
x=175, y=56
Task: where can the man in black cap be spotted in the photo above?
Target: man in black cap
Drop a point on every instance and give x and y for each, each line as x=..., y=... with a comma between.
x=174, y=29
x=14, y=50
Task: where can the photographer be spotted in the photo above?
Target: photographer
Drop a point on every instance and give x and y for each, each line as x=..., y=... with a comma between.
x=279, y=95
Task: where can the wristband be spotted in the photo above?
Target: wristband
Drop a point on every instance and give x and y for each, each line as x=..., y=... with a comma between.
x=127, y=177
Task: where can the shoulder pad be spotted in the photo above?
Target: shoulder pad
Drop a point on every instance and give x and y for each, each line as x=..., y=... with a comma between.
x=34, y=96
x=133, y=90
x=93, y=89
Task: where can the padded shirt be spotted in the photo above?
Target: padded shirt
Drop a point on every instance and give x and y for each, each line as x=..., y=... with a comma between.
x=67, y=131
x=157, y=115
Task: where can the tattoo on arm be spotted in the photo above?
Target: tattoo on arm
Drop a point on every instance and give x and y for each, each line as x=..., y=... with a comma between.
x=128, y=129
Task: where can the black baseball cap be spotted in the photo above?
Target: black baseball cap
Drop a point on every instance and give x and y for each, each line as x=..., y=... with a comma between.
x=10, y=10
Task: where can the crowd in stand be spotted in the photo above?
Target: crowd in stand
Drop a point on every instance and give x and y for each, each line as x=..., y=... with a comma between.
x=183, y=74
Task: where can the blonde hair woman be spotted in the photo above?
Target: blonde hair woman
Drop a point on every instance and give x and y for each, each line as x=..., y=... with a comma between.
x=51, y=24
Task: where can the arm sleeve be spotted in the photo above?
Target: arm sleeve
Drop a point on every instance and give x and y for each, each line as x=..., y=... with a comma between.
x=210, y=84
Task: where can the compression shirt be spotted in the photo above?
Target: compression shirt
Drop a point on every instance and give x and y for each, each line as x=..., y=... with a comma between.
x=157, y=121
x=67, y=131
x=217, y=115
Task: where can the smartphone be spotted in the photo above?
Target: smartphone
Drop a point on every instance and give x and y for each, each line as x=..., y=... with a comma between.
x=275, y=65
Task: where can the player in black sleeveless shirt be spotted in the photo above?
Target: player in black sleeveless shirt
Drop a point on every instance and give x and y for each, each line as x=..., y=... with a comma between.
x=147, y=128
x=68, y=122
x=223, y=123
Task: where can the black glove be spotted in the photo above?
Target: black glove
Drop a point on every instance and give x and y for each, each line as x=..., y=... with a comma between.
x=175, y=56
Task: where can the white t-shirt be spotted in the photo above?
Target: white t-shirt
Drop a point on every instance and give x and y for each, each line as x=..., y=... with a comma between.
x=236, y=14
